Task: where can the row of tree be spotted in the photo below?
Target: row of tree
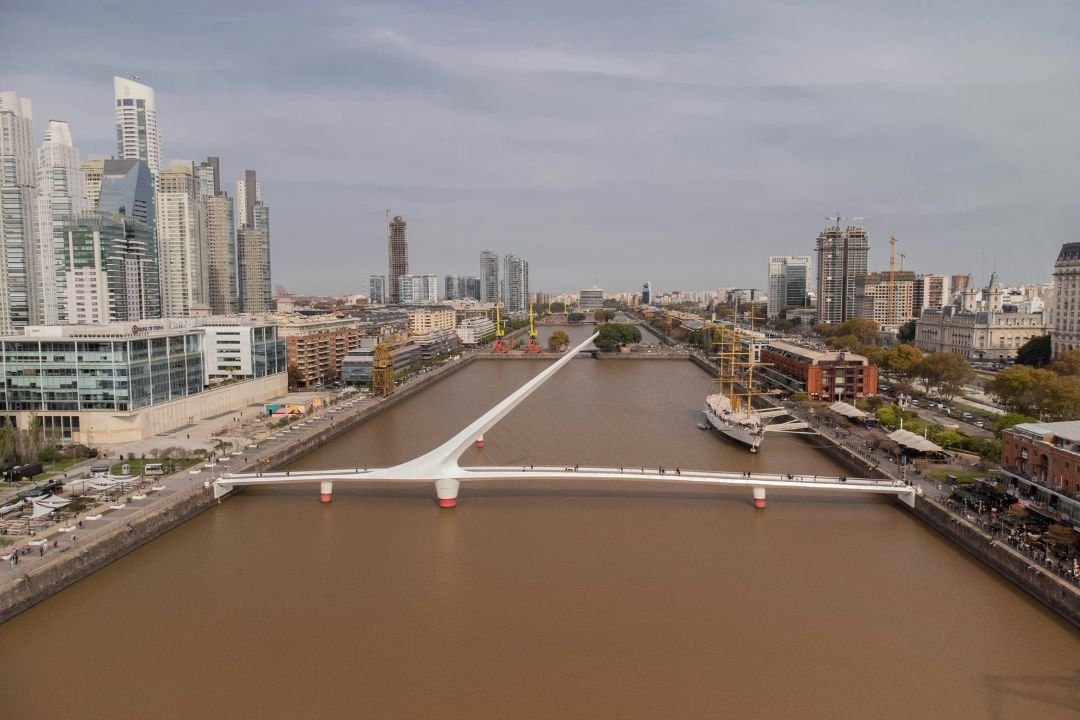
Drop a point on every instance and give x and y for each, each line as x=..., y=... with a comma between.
x=1049, y=393
x=614, y=335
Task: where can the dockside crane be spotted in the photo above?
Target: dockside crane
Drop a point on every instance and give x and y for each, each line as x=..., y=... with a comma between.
x=532, y=347
x=499, y=346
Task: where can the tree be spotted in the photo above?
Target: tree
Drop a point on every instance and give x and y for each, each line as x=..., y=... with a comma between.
x=946, y=372
x=1016, y=388
x=1008, y=420
x=295, y=376
x=558, y=341
x=902, y=360
x=576, y=317
x=1036, y=353
x=598, y=316
x=864, y=330
x=906, y=333
x=614, y=335
x=1067, y=364
x=557, y=307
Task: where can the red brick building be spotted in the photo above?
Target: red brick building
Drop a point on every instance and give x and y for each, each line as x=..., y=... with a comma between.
x=315, y=346
x=829, y=375
x=1041, y=462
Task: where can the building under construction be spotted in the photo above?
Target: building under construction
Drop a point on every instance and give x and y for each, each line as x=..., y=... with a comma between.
x=872, y=297
x=841, y=258
x=397, y=257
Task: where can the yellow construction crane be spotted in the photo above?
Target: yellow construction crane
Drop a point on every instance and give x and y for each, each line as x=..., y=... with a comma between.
x=892, y=280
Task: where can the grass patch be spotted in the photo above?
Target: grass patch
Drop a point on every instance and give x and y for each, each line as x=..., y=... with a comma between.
x=171, y=466
x=963, y=477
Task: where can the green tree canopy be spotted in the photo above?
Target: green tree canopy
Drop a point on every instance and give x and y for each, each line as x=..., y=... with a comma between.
x=906, y=332
x=945, y=372
x=1036, y=353
x=864, y=330
x=614, y=335
x=902, y=359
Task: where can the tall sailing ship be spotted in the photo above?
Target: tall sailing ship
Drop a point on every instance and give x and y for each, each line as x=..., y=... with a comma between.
x=730, y=410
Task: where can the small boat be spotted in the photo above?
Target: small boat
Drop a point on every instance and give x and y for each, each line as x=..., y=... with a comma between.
x=93, y=517
x=702, y=426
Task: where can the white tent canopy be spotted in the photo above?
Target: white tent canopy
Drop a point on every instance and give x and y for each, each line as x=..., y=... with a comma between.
x=848, y=411
x=48, y=504
x=910, y=440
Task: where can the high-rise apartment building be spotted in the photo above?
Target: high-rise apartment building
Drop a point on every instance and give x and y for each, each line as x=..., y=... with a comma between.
x=489, y=276
x=515, y=294
x=872, y=297
x=397, y=257
x=789, y=279
x=377, y=289
x=841, y=257
x=418, y=289
x=18, y=304
x=92, y=171
x=111, y=267
x=60, y=197
x=253, y=247
x=217, y=229
x=931, y=292
x=180, y=246
x=959, y=283
x=1065, y=330
x=646, y=293
x=461, y=287
x=136, y=123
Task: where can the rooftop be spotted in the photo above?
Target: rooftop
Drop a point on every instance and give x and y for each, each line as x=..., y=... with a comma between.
x=1066, y=430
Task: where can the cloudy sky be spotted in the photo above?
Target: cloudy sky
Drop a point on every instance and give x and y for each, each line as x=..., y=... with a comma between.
x=612, y=141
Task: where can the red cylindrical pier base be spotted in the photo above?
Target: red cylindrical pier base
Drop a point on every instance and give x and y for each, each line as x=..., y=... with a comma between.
x=326, y=491
x=447, y=502
x=759, y=503
x=326, y=497
x=480, y=441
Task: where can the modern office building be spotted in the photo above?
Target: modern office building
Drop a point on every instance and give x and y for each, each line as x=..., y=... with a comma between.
x=111, y=269
x=434, y=343
x=461, y=287
x=789, y=280
x=127, y=188
x=646, y=293
x=872, y=297
x=591, y=299
x=137, y=135
x=181, y=264
x=253, y=247
x=377, y=289
x=831, y=375
x=841, y=257
x=357, y=365
x=60, y=197
x=515, y=283
x=18, y=303
x=489, y=276
x=1065, y=331
x=240, y=348
x=397, y=257
x=101, y=384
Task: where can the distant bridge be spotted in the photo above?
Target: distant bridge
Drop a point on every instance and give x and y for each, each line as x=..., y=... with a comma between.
x=442, y=467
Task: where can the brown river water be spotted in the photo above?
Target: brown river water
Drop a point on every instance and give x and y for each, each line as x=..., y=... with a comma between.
x=546, y=600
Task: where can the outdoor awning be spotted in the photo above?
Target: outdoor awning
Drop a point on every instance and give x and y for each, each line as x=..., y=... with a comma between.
x=848, y=411
x=48, y=504
x=908, y=439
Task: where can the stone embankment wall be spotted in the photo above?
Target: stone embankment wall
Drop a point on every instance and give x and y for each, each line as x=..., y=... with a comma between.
x=1051, y=591
x=74, y=563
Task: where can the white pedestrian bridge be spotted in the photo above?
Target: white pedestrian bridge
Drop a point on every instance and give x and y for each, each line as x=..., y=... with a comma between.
x=441, y=467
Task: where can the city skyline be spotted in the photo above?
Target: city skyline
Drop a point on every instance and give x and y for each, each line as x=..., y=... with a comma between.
x=681, y=145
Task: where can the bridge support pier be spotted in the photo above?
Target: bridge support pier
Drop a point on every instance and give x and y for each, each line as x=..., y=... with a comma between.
x=759, y=498
x=447, y=490
x=480, y=441
x=326, y=491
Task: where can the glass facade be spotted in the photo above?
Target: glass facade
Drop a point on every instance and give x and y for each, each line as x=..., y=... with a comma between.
x=100, y=373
